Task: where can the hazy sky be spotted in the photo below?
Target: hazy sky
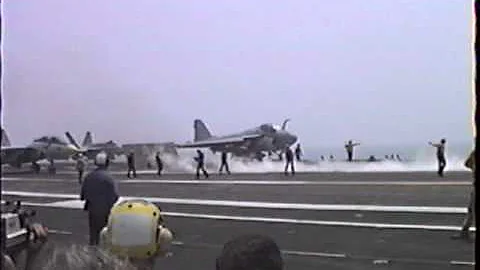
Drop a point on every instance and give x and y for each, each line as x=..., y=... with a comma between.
x=377, y=71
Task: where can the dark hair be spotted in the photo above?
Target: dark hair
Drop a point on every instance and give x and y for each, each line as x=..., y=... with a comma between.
x=247, y=252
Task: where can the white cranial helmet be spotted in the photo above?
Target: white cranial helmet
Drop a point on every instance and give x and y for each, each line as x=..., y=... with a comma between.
x=101, y=159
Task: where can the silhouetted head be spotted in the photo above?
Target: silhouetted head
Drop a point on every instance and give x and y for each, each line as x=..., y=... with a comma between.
x=443, y=141
x=248, y=252
x=198, y=151
x=350, y=142
x=7, y=263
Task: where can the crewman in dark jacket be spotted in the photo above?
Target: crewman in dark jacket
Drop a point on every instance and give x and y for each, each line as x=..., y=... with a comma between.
x=224, y=163
x=200, y=159
x=159, y=164
x=349, y=147
x=298, y=152
x=99, y=191
x=442, y=161
x=131, y=165
x=289, y=160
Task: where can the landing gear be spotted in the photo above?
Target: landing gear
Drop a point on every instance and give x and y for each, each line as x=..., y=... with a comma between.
x=51, y=167
x=17, y=165
x=35, y=167
x=259, y=156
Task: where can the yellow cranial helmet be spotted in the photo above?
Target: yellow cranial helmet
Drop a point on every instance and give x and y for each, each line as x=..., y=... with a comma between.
x=135, y=230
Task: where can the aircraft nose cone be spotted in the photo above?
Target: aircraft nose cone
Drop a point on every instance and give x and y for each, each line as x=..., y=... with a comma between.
x=286, y=139
x=72, y=149
x=293, y=139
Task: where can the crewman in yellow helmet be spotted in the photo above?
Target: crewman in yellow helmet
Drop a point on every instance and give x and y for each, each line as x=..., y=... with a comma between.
x=136, y=232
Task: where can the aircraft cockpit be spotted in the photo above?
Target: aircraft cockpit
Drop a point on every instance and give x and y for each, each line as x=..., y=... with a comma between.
x=43, y=139
x=52, y=139
x=57, y=140
x=268, y=128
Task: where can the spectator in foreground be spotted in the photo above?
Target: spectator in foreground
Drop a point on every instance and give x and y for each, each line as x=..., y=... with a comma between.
x=470, y=217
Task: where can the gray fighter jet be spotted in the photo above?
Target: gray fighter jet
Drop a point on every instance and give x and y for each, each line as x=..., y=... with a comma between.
x=91, y=149
x=47, y=147
x=253, y=143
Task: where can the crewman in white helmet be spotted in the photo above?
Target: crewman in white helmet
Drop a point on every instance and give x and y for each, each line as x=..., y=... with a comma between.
x=81, y=164
x=100, y=193
x=136, y=232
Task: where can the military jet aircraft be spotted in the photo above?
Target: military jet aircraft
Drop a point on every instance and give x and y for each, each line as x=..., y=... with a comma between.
x=46, y=147
x=254, y=143
x=91, y=149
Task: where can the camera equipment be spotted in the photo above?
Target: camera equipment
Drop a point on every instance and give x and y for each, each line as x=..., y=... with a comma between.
x=15, y=231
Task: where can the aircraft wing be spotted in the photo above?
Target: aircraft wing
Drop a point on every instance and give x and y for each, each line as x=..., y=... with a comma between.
x=149, y=149
x=220, y=141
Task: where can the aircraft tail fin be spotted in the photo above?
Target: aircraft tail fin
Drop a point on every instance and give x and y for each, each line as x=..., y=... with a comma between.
x=284, y=125
x=5, y=140
x=71, y=140
x=201, y=131
x=87, y=141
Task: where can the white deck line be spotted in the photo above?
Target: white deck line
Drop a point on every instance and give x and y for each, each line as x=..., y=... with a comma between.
x=269, y=205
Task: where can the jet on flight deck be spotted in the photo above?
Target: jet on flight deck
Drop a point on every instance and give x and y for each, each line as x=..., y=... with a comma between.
x=47, y=147
x=253, y=142
x=91, y=149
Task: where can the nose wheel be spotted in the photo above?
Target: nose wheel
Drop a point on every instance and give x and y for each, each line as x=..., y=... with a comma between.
x=35, y=167
x=51, y=167
x=259, y=156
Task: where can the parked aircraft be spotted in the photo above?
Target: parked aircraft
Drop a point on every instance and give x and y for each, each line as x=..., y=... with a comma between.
x=91, y=149
x=46, y=147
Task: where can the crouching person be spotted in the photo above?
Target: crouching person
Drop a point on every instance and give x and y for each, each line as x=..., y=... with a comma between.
x=136, y=232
